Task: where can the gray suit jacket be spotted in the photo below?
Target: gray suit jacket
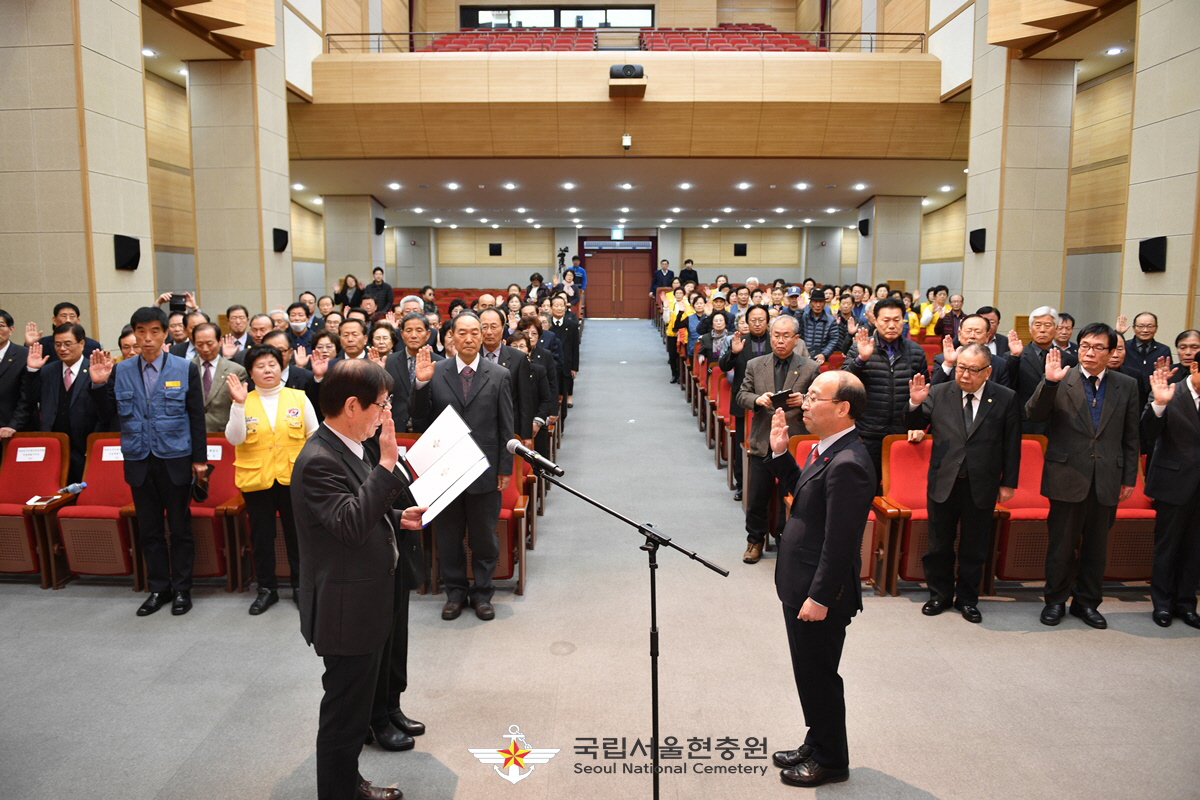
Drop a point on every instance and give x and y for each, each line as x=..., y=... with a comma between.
x=760, y=377
x=1078, y=454
x=217, y=402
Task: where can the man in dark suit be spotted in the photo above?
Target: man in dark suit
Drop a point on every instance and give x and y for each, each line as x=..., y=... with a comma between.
x=493, y=328
x=185, y=349
x=816, y=575
x=358, y=561
x=59, y=389
x=159, y=401
x=663, y=278
x=1143, y=351
x=976, y=429
x=14, y=410
x=782, y=371
x=1172, y=422
x=64, y=314
x=565, y=326
x=739, y=353
x=1062, y=335
x=1031, y=368
x=414, y=333
x=260, y=326
x=481, y=393
x=295, y=376
x=1091, y=414
x=974, y=329
x=996, y=344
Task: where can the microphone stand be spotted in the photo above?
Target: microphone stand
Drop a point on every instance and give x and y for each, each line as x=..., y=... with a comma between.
x=653, y=541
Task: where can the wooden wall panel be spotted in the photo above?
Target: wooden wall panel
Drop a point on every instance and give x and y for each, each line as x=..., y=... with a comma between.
x=943, y=232
x=808, y=15
x=395, y=16
x=766, y=247
x=903, y=16
x=1099, y=185
x=849, y=248
x=845, y=16
x=455, y=247
x=468, y=247
x=308, y=234
x=169, y=174
x=780, y=13
x=344, y=16
x=702, y=245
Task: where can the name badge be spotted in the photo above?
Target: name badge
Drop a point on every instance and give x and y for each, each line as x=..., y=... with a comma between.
x=171, y=385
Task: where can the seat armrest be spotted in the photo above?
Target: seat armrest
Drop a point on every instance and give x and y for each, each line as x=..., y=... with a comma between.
x=54, y=505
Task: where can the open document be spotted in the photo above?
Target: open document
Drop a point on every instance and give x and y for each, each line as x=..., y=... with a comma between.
x=446, y=461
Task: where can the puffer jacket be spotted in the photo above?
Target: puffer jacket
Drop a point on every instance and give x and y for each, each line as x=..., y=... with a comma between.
x=887, y=385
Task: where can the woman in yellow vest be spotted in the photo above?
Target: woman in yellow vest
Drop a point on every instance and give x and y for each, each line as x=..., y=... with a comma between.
x=268, y=426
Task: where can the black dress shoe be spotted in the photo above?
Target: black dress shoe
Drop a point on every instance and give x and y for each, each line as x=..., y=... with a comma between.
x=1162, y=618
x=153, y=603
x=810, y=773
x=737, y=496
x=969, y=612
x=484, y=610
x=935, y=606
x=1053, y=613
x=367, y=791
x=182, y=603
x=266, y=598
x=451, y=610
x=1089, y=615
x=389, y=738
x=1190, y=618
x=785, y=759
x=404, y=723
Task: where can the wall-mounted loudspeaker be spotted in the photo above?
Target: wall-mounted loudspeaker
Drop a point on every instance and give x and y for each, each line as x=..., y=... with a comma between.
x=127, y=251
x=864, y=227
x=1152, y=254
x=626, y=71
x=378, y=226
x=739, y=249
x=495, y=249
x=978, y=240
x=279, y=239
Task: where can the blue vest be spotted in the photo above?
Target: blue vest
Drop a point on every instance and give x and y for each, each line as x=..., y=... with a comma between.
x=158, y=424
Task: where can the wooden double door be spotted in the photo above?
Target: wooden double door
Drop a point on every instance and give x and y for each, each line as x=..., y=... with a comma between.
x=618, y=284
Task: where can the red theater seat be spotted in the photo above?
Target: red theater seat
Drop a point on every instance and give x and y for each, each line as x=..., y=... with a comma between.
x=35, y=464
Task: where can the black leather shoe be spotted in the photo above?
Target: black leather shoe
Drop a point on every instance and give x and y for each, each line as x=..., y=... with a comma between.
x=484, y=610
x=969, y=613
x=266, y=598
x=153, y=603
x=366, y=791
x=1053, y=613
x=1089, y=615
x=1162, y=618
x=182, y=603
x=785, y=759
x=404, y=723
x=935, y=606
x=1190, y=618
x=451, y=610
x=389, y=738
x=737, y=496
x=810, y=773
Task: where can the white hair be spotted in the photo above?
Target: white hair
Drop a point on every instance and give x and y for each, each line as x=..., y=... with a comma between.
x=1044, y=311
x=412, y=298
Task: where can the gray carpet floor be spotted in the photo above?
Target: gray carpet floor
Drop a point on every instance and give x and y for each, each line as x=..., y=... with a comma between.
x=102, y=704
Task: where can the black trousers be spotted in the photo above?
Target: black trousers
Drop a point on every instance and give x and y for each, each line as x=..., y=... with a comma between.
x=1176, y=568
x=735, y=452
x=1077, y=551
x=673, y=357
x=816, y=649
x=167, y=567
x=874, y=445
x=475, y=516
x=975, y=536
x=349, y=683
x=761, y=487
x=393, y=662
x=261, y=507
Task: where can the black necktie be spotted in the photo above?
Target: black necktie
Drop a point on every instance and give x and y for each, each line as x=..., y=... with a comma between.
x=781, y=371
x=412, y=373
x=968, y=412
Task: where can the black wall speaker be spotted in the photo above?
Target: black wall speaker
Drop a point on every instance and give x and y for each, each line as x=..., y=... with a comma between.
x=864, y=227
x=378, y=226
x=1152, y=254
x=739, y=249
x=127, y=251
x=495, y=249
x=280, y=239
x=978, y=240
x=626, y=71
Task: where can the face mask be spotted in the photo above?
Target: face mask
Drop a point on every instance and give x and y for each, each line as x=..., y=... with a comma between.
x=299, y=327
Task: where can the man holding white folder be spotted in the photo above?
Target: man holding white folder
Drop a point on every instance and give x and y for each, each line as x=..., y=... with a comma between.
x=481, y=393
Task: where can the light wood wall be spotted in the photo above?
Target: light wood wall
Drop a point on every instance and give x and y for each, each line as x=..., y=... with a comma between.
x=169, y=153
x=944, y=232
x=903, y=16
x=468, y=247
x=765, y=247
x=1099, y=186
x=849, y=248
x=845, y=16
x=345, y=16
x=395, y=16
x=808, y=15
x=308, y=234
x=780, y=13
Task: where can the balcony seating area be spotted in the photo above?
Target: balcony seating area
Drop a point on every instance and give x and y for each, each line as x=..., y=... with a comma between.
x=726, y=37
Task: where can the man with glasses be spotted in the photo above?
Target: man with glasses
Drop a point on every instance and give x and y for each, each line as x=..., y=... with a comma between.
x=295, y=375
x=1031, y=368
x=973, y=329
x=1143, y=351
x=1091, y=416
x=783, y=370
x=976, y=429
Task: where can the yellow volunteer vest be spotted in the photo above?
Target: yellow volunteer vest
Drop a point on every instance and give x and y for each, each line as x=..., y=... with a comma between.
x=268, y=454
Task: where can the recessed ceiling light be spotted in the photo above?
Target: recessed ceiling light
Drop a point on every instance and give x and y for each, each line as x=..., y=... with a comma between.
x=780, y=210
x=468, y=211
x=761, y=221
x=676, y=210
x=521, y=210
x=318, y=202
x=568, y=185
x=437, y=220
x=831, y=211
x=148, y=53
x=622, y=219
x=483, y=220
x=572, y=210
x=807, y=220
x=849, y=227
x=299, y=187
x=926, y=202
x=495, y=225
x=965, y=170
x=747, y=225
x=685, y=186
x=727, y=210
x=802, y=186
x=183, y=71
x=715, y=219
x=452, y=225
x=529, y=220
x=622, y=227
x=789, y=227
x=1114, y=51
x=510, y=186
x=452, y=186
x=394, y=186
x=537, y=226
x=669, y=219
x=743, y=186
x=858, y=187
x=625, y=185
x=576, y=219
x=624, y=209
x=418, y=210
x=947, y=188
x=577, y=227
x=705, y=225
x=661, y=226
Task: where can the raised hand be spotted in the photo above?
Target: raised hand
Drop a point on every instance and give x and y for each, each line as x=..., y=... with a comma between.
x=32, y=334
x=100, y=367
x=866, y=347
x=390, y=317
x=779, y=432
x=1015, y=347
x=35, y=359
x=852, y=326
x=190, y=301
x=165, y=297
x=738, y=343
x=319, y=363
x=949, y=352
x=918, y=390
x=423, y=366
x=389, y=451
x=229, y=346
x=374, y=357
x=300, y=357
x=1122, y=324
x=1162, y=362
x=1055, y=371
x=237, y=389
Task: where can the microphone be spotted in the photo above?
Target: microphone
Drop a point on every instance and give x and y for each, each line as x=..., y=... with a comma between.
x=535, y=458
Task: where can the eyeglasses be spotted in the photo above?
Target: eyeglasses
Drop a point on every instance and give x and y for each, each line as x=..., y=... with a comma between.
x=385, y=405
x=810, y=398
x=1093, y=348
x=1150, y=327
x=972, y=370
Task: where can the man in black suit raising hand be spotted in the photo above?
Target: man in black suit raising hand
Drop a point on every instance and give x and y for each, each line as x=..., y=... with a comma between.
x=816, y=575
